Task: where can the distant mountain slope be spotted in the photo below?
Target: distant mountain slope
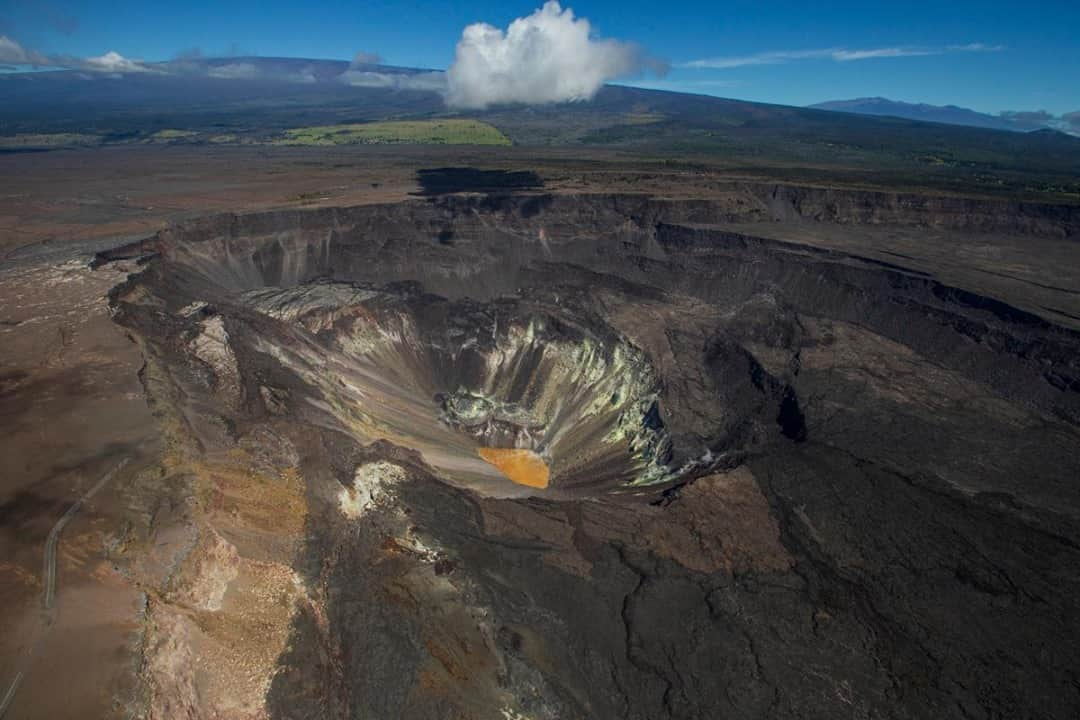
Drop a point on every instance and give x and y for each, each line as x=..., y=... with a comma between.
x=236, y=94
x=260, y=101
x=948, y=114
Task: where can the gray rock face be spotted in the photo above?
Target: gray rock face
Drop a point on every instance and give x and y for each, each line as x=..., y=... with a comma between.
x=785, y=482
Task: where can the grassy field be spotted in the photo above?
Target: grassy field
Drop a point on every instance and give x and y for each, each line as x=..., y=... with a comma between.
x=172, y=135
x=412, y=132
x=49, y=140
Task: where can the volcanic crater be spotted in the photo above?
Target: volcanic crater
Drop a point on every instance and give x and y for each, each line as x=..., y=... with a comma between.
x=619, y=437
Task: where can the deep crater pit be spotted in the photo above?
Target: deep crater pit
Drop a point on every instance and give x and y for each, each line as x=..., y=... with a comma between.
x=485, y=391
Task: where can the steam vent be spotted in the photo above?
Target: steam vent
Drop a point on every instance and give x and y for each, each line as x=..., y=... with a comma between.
x=605, y=456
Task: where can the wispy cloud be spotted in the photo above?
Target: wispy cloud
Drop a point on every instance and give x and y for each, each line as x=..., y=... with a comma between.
x=892, y=52
x=1071, y=122
x=690, y=86
x=1027, y=120
x=13, y=53
x=782, y=57
x=192, y=62
x=777, y=57
x=976, y=47
x=234, y=71
x=434, y=81
x=113, y=62
x=366, y=58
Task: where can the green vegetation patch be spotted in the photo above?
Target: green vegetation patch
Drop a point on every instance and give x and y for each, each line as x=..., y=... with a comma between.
x=171, y=135
x=413, y=132
x=49, y=140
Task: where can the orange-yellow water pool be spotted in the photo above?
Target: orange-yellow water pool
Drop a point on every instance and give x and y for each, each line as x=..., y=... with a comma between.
x=523, y=467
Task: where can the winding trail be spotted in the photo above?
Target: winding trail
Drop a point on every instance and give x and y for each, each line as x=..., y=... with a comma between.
x=49, y=570
x=10, y=694
x=48, y=598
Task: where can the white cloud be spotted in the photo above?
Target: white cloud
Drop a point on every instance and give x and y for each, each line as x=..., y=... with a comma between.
x=777, y=57
x=12, y=53
x=430, y=81
x=893, y=52
x=366, y=58
x=781, y=57
x=234, y=71
x=686, y=86
x=114, y=62
x=246, y=71
x=304, y=77
x=976, y=47
x=547, y=57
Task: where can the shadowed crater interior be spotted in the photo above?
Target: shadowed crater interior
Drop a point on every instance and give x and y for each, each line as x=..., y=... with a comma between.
x=439, y=181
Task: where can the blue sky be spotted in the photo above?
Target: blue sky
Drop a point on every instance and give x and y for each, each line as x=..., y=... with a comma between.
x=990, y=56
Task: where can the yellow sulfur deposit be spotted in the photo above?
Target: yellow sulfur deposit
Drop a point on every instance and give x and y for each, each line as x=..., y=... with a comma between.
x=522, y=466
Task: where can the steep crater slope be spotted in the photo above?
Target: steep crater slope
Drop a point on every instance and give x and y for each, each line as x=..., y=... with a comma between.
x=460, y=381
x=571, y=456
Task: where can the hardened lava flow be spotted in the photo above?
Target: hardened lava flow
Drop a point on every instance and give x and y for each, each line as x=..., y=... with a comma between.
x=546, y=456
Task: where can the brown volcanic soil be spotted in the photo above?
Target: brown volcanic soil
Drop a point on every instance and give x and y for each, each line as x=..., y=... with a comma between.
x=71, y=406
x=857, y=451
x=115, y=192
